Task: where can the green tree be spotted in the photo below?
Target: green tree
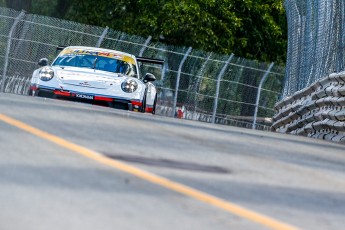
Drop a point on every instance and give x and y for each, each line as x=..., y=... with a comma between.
x=248, y=28
x=53, y=8
x=254, y=29
x=62, y=7
x=19, y=4
x=263, y=33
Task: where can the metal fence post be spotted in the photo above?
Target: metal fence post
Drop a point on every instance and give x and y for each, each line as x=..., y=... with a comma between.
x=9, y=42
x=220, y=75
x=198, y=82
x=101, y=38
x=178, y=79
x=148, y=40
x=164, y=70
x=259, y=94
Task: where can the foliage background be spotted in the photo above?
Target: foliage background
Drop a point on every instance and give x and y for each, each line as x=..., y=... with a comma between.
x=253, y=29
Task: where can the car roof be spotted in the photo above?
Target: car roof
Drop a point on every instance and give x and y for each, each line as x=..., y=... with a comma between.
x=90, y=48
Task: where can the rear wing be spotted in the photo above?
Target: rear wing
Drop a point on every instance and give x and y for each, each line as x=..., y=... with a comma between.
x=150, y=60
x=143, y=60
x=59, y=48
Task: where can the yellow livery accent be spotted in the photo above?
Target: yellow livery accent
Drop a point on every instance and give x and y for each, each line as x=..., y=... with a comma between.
x=113, y=55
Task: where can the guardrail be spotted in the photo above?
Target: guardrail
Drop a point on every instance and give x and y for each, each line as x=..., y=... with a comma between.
x=317, y=111
x=262, y=123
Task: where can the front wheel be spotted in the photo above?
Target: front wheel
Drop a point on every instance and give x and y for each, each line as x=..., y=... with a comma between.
x=154, y=105
x=31, y=92
x=143, y=106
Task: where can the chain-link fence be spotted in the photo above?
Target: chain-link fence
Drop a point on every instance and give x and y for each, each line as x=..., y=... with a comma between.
x=193, y=84
x=316, y=30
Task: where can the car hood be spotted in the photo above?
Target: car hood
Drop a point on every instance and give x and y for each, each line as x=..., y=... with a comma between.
x=88, y=77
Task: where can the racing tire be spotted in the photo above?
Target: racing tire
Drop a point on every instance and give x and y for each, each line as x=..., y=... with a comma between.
x=154, y=105
x=143, y=107
x=30, y=92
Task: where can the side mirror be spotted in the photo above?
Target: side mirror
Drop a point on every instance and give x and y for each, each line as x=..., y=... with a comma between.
x=149, y=77
x=43, y=62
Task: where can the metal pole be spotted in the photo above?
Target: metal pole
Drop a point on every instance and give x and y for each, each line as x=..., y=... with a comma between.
x=197, y=87
x=164, y=69
x=259, y=93
x=178, y=79
x=101, y=38
x=9, y=41
x=148, y=40
x=220, y=75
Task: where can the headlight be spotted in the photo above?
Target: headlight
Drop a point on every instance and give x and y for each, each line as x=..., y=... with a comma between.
x=46, y=73
x=129, y=86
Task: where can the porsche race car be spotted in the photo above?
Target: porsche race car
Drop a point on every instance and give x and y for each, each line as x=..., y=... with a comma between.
x=98, y=76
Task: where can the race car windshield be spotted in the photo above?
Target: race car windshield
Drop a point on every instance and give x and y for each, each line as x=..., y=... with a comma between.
x=98, y=63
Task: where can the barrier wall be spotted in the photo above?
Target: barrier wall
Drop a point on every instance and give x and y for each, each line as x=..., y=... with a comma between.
x=317, y=111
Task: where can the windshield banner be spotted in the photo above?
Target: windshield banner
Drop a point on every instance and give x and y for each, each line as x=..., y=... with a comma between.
x=113, y=55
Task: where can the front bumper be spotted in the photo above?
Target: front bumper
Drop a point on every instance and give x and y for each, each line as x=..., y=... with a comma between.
x=114, y=102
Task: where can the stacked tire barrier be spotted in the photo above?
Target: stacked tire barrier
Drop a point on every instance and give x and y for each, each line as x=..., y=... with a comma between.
x=317, y=111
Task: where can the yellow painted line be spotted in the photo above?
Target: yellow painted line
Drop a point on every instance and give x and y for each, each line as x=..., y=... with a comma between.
x=177, y=187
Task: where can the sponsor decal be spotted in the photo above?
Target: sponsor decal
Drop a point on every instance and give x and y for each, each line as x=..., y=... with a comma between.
x=83, y=96
x=84, y=83
x=114, y=55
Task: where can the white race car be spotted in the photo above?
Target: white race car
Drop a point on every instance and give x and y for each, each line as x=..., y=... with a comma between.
x=99, y=76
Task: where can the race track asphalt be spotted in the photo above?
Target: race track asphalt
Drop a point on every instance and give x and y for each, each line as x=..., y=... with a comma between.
x=44, y=184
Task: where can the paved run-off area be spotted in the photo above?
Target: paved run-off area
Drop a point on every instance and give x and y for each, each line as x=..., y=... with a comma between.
x=44, y=184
